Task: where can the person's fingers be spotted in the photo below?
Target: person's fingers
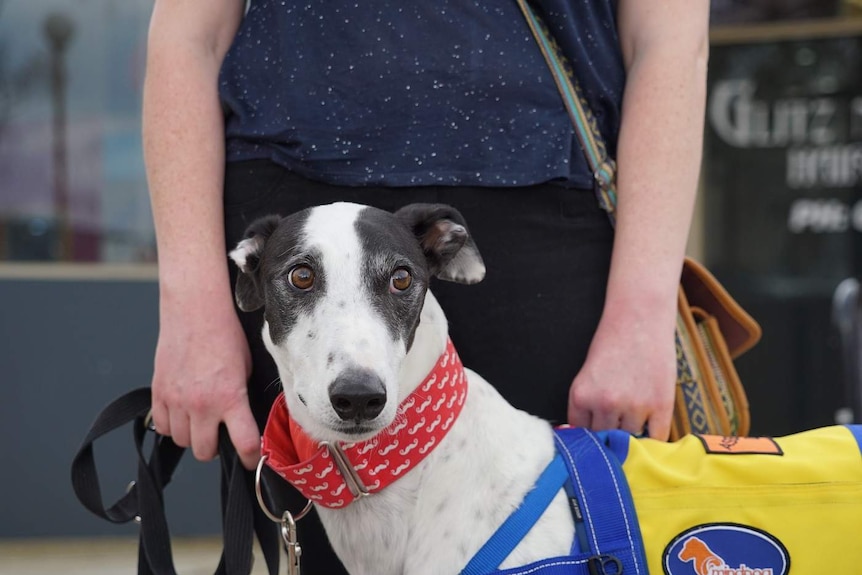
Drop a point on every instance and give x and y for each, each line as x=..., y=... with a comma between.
x=203, y=436
x=659, y=425
x=244, y=434
x=578, y=416
x=161, y=420
x=634, y=423
x=605, y=420
x=179, y=424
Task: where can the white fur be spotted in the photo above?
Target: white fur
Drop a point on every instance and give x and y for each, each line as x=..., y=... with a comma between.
x=240, y=254
x=434, y=518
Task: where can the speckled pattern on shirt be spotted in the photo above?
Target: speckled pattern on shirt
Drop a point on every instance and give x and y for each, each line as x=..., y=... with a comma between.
x=404, y=93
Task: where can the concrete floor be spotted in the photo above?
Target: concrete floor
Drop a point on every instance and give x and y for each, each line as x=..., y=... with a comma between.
x=108, y=556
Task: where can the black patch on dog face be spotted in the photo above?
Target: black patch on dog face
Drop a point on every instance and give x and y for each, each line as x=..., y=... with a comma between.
x=284, y=250
x=387, y=245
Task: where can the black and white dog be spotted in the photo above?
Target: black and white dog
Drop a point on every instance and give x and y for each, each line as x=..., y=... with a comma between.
x=355, y=333
x=414, y=462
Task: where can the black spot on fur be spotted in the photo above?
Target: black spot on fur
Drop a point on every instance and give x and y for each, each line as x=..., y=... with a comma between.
x=387, y=245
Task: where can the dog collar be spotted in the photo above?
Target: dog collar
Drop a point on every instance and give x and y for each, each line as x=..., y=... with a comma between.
x=335, y=474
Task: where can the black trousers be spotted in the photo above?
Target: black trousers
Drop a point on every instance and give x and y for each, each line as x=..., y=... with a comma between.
x=526, y=327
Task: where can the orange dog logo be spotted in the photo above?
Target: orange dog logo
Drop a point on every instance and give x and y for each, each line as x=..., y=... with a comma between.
x=701, y=555
x=706, y=562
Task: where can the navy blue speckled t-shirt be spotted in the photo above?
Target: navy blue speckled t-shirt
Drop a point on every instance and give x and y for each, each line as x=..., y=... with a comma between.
x=407, y=93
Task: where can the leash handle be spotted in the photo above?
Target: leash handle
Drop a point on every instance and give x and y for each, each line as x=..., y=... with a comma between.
x=144, y=500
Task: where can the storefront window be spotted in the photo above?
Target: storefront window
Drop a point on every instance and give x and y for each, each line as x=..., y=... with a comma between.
x=72, y=184
x=783, y=151
x=782, y=193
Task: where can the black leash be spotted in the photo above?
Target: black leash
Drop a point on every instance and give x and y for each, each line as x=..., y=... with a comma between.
x=144, y=502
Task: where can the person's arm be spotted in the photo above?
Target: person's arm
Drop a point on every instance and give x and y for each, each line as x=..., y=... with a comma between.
x=628, y=378
x=202, y=358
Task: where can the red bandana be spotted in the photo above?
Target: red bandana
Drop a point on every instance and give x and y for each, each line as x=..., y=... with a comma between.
x=334, y=475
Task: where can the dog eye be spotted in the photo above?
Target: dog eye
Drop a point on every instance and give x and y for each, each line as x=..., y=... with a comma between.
x=301, y=277
x=400, y=280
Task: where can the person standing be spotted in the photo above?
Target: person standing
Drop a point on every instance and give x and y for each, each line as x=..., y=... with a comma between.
x=292, y=104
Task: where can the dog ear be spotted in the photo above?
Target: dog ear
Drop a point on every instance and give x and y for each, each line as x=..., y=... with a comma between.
x=246, y=255
x=443, y=236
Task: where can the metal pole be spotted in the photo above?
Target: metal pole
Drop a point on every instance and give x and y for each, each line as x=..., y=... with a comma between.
x=59, y=30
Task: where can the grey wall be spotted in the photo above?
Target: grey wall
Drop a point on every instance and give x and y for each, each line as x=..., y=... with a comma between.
x=67, y=348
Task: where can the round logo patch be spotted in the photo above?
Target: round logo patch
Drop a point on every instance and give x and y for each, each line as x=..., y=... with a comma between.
x=725, y=549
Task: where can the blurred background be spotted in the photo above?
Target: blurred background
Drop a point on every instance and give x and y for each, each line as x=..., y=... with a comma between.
x=779, y=221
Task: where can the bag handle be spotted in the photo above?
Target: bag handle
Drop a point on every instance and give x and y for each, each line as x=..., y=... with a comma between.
x=144, y=500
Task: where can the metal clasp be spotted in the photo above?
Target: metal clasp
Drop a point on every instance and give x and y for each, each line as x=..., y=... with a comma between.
x=287, y=522
x=351, y=477
x=288, y=535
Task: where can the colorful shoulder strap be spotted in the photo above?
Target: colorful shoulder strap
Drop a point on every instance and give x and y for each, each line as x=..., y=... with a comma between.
x=603, y=167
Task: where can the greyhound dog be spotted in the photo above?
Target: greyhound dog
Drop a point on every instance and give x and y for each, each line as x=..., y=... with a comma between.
x=354, y=331
x=417, y=465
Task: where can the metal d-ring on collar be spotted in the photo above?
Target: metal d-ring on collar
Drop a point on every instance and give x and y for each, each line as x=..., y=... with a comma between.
x=287, y=522
x=351, y=477
x=263, y=506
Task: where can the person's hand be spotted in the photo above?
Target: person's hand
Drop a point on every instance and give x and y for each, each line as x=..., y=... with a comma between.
x=201, y=370
x=627, y=381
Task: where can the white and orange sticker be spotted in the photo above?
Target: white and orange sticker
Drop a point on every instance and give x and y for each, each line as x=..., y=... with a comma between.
x=740, y=445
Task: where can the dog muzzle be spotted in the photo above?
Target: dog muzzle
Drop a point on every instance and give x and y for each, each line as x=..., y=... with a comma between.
x=334, y=474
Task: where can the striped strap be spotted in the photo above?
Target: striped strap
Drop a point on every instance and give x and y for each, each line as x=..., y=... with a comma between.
x=603, y=167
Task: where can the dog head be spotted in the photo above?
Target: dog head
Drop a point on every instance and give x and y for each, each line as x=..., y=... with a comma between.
x=342, y=287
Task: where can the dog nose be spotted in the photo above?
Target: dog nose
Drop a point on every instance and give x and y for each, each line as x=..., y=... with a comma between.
x=357, y=395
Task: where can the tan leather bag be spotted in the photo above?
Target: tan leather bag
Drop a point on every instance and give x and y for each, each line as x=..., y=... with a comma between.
x=712, y=331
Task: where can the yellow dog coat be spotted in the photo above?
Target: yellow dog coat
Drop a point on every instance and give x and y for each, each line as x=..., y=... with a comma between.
x=711, y=505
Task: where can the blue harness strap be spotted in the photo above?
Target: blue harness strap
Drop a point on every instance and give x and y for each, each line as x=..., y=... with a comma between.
x=607, y=537
x=609, y=519
x=519, y=523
